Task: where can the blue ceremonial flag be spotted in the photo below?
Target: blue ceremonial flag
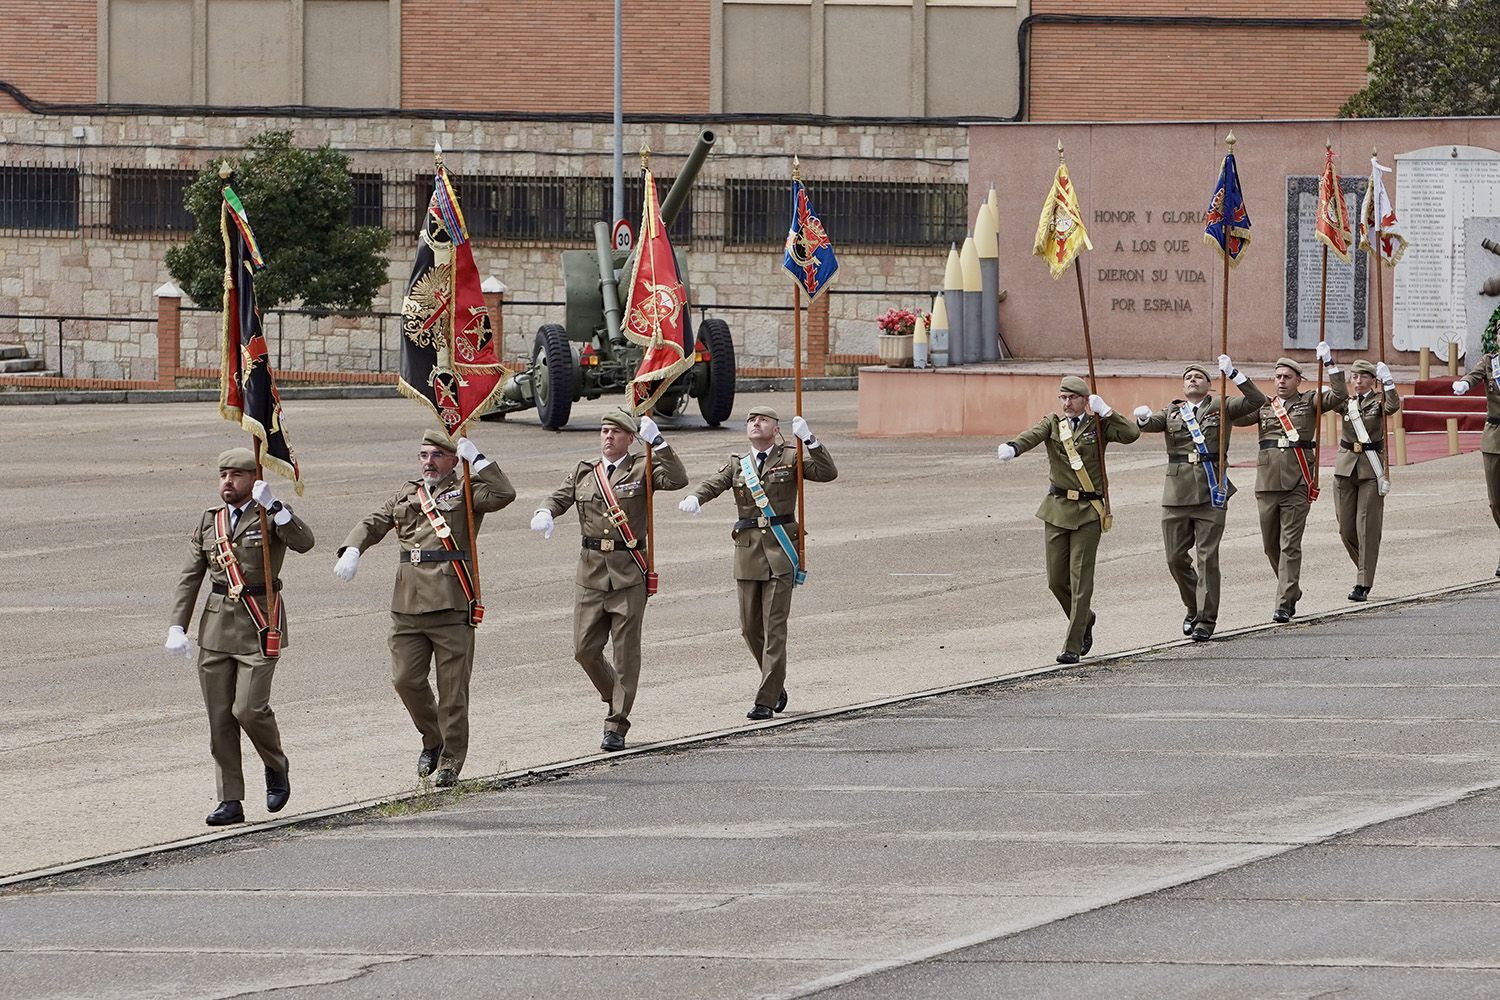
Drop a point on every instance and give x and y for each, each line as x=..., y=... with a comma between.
x=809, y=252
x=1228, y=222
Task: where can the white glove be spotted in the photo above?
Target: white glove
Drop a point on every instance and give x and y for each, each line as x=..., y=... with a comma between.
x=1324, y=352
x=650, y=433
x=1460, y=387
x=467, y=450
x=690, y=505
x=1142, y=414
x=1383, y=372
x=177, y=643
x=1226, y=365
x=261, y=492
x=803, y=432
x=1006, y=452
x=1099, y=406
x=347, y=564
x=542, y=521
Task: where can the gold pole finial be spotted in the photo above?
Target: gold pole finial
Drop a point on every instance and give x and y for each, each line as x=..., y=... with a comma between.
x=1230, y=140
x=224, y=170
x=437, y=152
x=645, y=155
x=1059, y=151
x=1374, y=152
x=1328, y=145
x=796, y=168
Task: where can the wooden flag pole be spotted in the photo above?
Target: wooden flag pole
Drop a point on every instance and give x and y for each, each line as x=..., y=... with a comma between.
x=1088, y=350
x=1375, y=255
x=473, y=528
x=273, y=599
x=650, y=518
x=797, y=384
x=1317, y=473
x=1224, y=349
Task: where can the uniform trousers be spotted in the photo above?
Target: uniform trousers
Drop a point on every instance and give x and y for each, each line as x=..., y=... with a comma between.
x=616, y=616
x=1070, y=575
x=1361, y=513
x=1191, y=536
x=765, y=608
x=441, y=641
x=1492, y=480
x=237, y=694
x=1283, y=516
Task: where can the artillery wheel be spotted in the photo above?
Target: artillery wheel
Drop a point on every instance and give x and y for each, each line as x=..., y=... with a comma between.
x=717, y=401
x=552, y=376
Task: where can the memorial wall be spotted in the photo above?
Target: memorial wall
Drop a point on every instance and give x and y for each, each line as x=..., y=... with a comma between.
x=1153, y=286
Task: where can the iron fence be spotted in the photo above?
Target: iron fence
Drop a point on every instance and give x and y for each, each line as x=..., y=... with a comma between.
x=61, y=341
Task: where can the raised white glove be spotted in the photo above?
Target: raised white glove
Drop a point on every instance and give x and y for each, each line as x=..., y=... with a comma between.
x=1099, y=406
x=1142, y=414
x=1226, y=365
x=690, y=505
x=1324, y=352
x=650, y=433
x=261, y=493
x=1460, y=387
x=1383, y=372
x=803, y=432
x=1006, y=452
x=347, y=564
x=467, y=450
x=177, y=643
x=542, y=521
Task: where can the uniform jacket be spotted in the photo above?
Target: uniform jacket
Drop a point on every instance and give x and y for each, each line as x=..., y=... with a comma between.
x=757, y=553
x=225, y=626
x=1060, y=511
x=431, y=586
x=615, y=570
x=1481, y=375
x=1350, y=462
x=1187, y=482
x=1277, y=469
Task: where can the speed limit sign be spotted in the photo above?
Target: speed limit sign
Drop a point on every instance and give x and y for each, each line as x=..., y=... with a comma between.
x=624, y=236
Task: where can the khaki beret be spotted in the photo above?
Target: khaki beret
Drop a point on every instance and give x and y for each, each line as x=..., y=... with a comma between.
x=1193, y=366
x=1289, y=363
x=439, y=440
x=763, y=411
x=620, y=419
x=237, y=458
x=1363, y=367
x=1075, y=385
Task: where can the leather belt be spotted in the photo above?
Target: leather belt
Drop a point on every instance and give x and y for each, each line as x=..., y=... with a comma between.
x=254, y=590
x=1057, y=491
x=1191, y=458
x=1359, y=446
x=609, y=544
x=1285, y=443
x=418, y=556
x=746, y=523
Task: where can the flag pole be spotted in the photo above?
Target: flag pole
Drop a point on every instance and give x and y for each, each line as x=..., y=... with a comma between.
x=797, y=384
x=1224, y=349
x=1376, y=254
x=1088, y=350
x=646, y=226
x=1317, y=469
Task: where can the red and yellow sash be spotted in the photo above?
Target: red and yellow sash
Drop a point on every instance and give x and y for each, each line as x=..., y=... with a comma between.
x=622, y=525
x=1290, y=429
x=460, y=566
x=269, y=634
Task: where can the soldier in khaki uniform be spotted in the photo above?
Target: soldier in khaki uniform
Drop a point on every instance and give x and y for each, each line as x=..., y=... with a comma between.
x=1073, y=509
x=763, y=571
x=1487, y=374
x=610, y=592
x=1360, y=483
x=430, y=617
x=1280, y=486
x=1191, y=525
x=233, y=670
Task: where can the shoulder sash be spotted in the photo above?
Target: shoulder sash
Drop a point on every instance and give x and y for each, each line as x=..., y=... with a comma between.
x=618, y=519
x=269, y=634
x=1216, y=489
x=1279, y=408
x=758, y=494
x=461, y=567
x=1075, y=461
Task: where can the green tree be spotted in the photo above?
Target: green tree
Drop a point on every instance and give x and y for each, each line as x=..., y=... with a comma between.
x=299, y=202
x=1430, y=58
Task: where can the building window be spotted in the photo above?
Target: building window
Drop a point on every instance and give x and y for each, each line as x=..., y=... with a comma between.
x=38, y=198
x=855, y=213
x=369, y=200
x=548, y=209
x=149, y=201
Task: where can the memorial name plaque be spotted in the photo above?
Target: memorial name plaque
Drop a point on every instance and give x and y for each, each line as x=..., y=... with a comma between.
x=1344, y=327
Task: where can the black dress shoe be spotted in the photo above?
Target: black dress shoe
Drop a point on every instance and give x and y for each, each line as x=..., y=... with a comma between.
x=1497, y=570
x=1088, y=635
x=228, y=812
x=781, y=702
x=1359, y=593
x=612, y=741
x=1187, y=624
x=1067, y=657
x=1281, y=616
x=446, y=777
x=278, y=789
x=1202, y=633
x=759, y=713
x=427, y=761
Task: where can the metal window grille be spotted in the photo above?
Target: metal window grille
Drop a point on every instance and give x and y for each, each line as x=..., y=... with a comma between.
x=149, y=201
x=36, y=198
x=369, y=200
x=543, y=209
x=855, y=213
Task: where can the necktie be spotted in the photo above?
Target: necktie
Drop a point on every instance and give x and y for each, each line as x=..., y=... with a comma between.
x=609, y=470
x=760, y=460
x=234, y=519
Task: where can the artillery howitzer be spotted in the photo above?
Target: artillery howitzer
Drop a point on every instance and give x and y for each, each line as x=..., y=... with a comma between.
x=587, y=356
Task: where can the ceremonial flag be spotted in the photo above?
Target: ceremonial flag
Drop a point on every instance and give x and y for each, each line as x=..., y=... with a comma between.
x=1377, y=214
x=809, y=252
x=1060, y=234
x=1333, y=215
x=449, y=358
x=1228, y=228
x=655, y=309
x=247, y=389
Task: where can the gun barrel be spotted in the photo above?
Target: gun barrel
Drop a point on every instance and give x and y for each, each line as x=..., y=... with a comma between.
x=677, y=195
x=1491, y=246
x=607, y=284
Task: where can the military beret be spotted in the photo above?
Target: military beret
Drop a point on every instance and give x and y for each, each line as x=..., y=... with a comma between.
x=242, y=459
x=1363, y=367
x=1075, y=385
x=1289, y=363
x=763, y=411
x=1193, y=366
x=622, y=420
x=439, y=440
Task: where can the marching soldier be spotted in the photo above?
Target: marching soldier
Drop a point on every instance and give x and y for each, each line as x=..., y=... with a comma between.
x=1285, y=471
x=766, y=566
x=1192, y=508
x=1360, y=482
x=242, y=628
x=612, y=581
x=1073, y=509
x=434, y=610
x=1487, y=374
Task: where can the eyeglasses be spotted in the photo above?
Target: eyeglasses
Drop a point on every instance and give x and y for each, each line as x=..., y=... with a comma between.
x=429, y=454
